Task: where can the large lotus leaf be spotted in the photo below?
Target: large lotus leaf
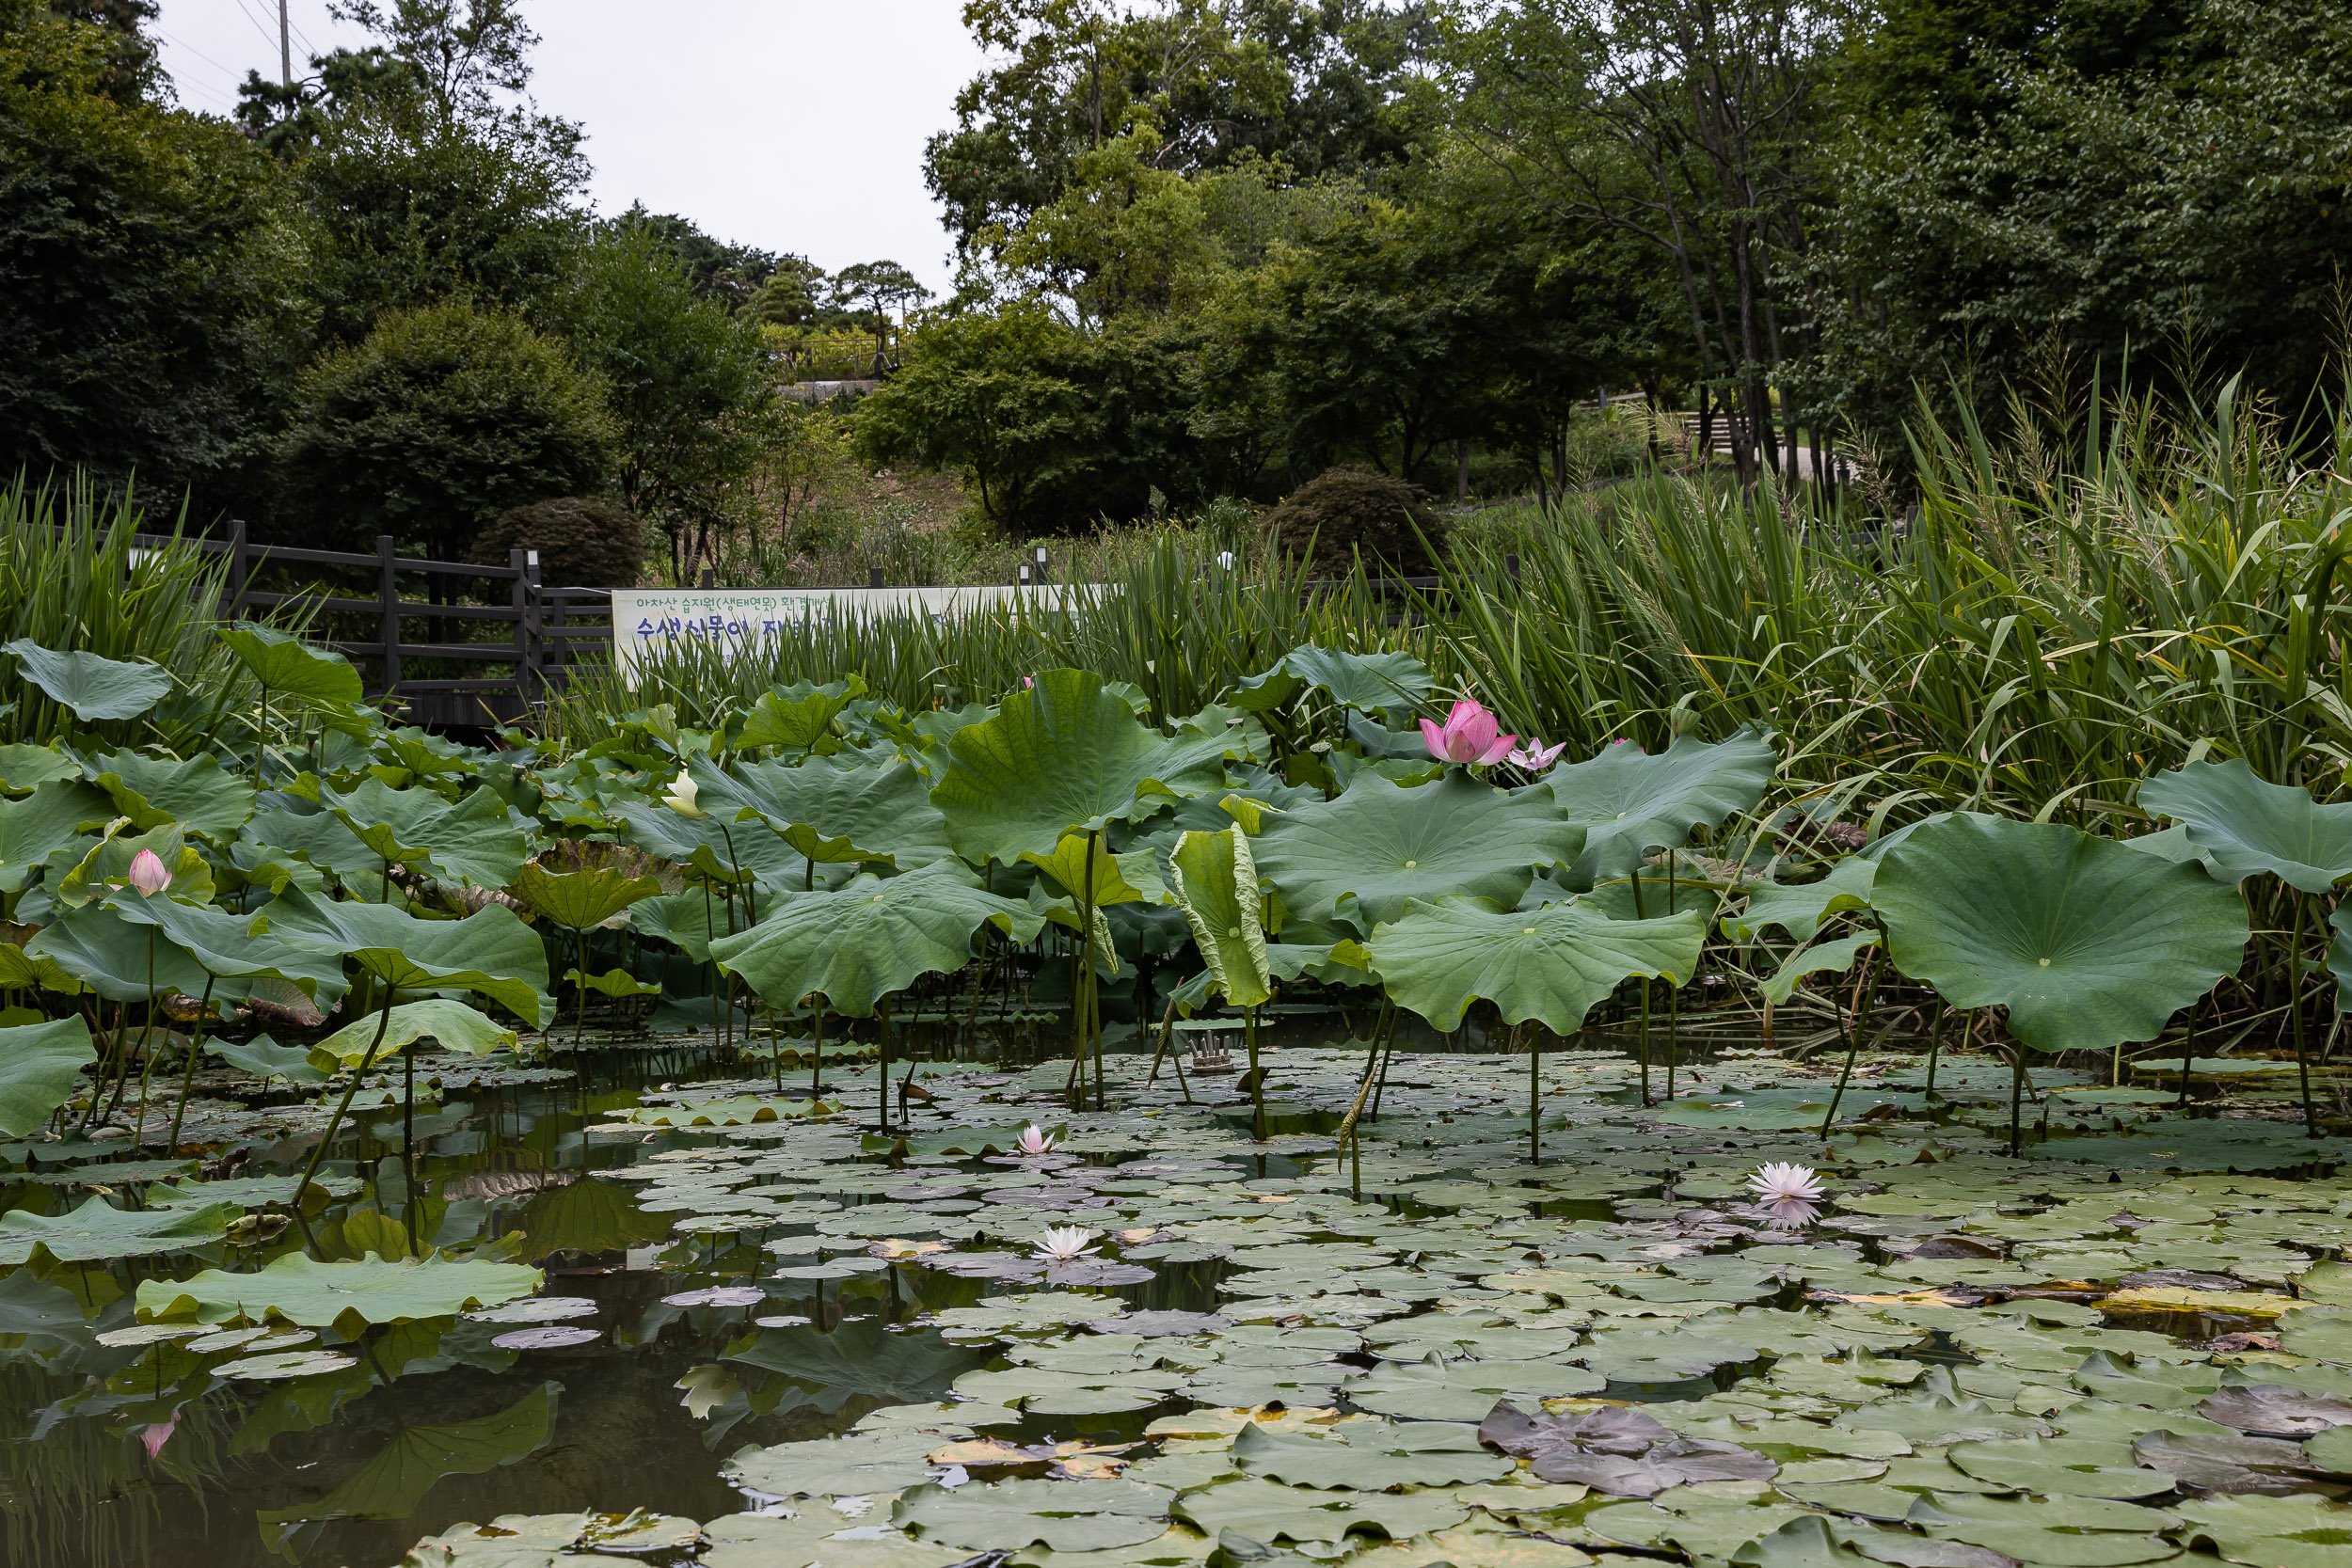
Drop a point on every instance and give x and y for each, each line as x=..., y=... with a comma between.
x=93, y=686
x=722, y=851
x=282, y=662
x=1084, y=866
x=2244, y=827
x=198, y=794
x=121, y=961
x=454, y=1024
x=1365, y=682
x=38, y=1063
x=20, y=967
x=1632, y=804
x=858, y=1465
x=797, y=715
x=24, y=767
x=1552, y=965
x=2060, y=1467
x=579, y=899
x=2271, y=1532
x=2064, y=1533
x=1370, y=1456
x=347, y=1295
x=226, y=944
x=474, y=841
x=833, y=808
x=32, y=828
x=2088, y=944
x=1267, y=1511
x=393, y=1485
x=686, y=920
x=490, y=951
x=1059, y=1516
x=1799, y=910
x=870, y=940
x=1066, y=755
x=1379, y=845
x=98, y=1231
x=317, y=838
x=1215, y=882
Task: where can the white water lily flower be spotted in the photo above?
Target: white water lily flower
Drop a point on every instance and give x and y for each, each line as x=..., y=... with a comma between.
x=681, y=796
x=1034, y=1140
x=1787, y=1193
x=1065, y=1244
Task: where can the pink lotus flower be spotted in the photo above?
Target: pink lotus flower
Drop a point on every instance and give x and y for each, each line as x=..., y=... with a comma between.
x=1535, y=756
x=157, y=1435
x=149, y=874
x=1034, y=1140
x=1468, y=735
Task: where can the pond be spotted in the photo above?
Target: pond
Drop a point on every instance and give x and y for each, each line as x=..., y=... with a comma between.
x=701, y=1320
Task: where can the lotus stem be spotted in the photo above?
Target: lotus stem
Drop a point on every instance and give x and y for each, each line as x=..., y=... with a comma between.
x=1167, y=1028
x=1935, y=1040
x=1534, y=1091
x=1853, y=1042
x=2016, y=1093
x=2188, y=1053
x=1674, y=1033
x=1350, y=1140
x=187, y=1079
x=2294, y=1011
x=883, y=1012
x=409, y=1144
x=1257, y=1078
x=147, y=1028
x=302, y=1188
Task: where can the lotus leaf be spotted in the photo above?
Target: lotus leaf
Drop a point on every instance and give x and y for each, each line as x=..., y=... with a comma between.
x=1369, y=683
x=579, y=899
x=1215, y=880
x=1370, y=1456
x=834, y=809
x=2244, y=827
x=265, y=1058
x=1706, y=1525
x=869, y=940
x=1632, y=804
x=1835, y=956
x=2060, y=1467
x=229, y=945
x=120, y=960
x=1263, y=1510
x=1552, y=965
x=282, y=662
x=98, y=1230
x=835, y=1466
x=1363, y=855
x=24, y=767
x=490, y=951
x=1065, y=756
x=472, y=841
x=1062, y=1516
x=2271, y=1532
x=95, y=687
x=721, y=853
x=1433, y=1390
x=106, y=867
x=346, y=1295
x=39, y=1064
x=2087, y=944
x=198, y=794
x=2065, y=1532
x=31, y=829
x=454, y=1024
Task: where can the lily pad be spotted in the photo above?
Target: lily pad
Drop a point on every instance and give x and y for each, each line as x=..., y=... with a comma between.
x=2064, y=1533
x=347, y=1295
x=2271, y=1532
x=1370, y=1456
x=1265, y=1510
x=1062, y=1516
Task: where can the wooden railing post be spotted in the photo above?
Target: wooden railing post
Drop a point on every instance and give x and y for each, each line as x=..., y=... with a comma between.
x=388, y=611
x=518, y=593
x=232, y=586
x=535, y=672
x=560, y=651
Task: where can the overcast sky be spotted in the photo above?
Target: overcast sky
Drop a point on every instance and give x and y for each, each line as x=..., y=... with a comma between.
x=787, y=124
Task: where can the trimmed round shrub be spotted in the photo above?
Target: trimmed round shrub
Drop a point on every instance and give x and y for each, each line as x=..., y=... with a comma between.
x=582, y=541
x=1349, y=510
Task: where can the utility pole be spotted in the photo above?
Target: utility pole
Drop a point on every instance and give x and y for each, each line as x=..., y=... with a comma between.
x=285, y=48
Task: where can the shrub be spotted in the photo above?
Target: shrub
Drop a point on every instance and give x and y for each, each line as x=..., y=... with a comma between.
x=1349, y=510
x=582, y=541
x=445, y=416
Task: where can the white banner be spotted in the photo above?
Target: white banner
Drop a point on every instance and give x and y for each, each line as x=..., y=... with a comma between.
x=740, y=618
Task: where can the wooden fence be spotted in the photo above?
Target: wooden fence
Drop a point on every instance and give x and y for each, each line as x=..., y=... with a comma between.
x=442, y=674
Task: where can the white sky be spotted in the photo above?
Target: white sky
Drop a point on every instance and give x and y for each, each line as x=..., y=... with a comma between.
x=793, y=125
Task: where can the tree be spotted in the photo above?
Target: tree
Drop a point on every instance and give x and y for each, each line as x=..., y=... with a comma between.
x=730, y=274
x=154, y=315
x=694, y=401
x=444, y=416
x=424, y=172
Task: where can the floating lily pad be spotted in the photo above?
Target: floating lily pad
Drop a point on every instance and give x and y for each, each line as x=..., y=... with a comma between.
x=281, y=1365
x=1063, y=1516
